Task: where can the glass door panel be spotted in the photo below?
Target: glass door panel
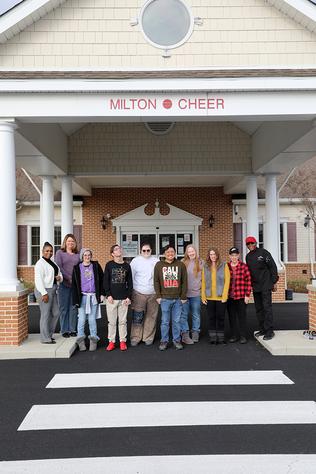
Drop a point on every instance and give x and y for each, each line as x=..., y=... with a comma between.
x=150, y=239
x=183, y=240
x=164, y=240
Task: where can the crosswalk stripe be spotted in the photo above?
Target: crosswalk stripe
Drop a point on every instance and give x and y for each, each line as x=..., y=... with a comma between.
x=204, y=464
x=137, y=379
x=117, y=415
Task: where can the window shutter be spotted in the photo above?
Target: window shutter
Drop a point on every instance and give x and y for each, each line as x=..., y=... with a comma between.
x=78, y=235
x=22, y=244
x=238, y=237
x=291, y=242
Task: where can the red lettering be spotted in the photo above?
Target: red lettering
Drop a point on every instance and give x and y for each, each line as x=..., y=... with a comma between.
x=182, y=104
x=115, y=105
x=211, y=103
x=220, y=104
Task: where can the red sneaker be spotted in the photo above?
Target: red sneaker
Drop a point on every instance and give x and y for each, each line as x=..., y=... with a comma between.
x=123, y=346
x=111, y=346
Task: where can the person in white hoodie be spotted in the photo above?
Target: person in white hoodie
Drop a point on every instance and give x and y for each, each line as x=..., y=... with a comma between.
x=144, y=304
x=47, y=276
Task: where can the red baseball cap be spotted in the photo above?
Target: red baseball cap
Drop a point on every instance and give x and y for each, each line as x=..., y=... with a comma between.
x=251, y=240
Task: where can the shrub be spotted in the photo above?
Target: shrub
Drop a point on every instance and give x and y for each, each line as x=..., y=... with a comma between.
x=298, y=286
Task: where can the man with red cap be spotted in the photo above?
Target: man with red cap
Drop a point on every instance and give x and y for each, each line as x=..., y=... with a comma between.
x=264, y=276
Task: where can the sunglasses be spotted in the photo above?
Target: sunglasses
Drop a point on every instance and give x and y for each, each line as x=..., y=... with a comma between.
x=146, y=250
x=251, y=243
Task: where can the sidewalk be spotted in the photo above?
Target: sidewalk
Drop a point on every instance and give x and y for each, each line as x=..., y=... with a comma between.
x=291, y=318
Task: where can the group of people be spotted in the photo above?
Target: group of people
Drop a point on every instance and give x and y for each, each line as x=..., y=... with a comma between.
x=72, y=287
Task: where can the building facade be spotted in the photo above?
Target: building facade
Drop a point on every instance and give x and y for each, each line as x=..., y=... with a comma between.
x=146, y=122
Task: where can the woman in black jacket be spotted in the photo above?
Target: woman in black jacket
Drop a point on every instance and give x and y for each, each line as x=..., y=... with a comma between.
x=87, y=293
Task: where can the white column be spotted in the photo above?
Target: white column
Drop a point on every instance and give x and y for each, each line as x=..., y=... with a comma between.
x=8, y=234
x=252, y=207
x=47, y=211
x=66, y=206
x=271, y=230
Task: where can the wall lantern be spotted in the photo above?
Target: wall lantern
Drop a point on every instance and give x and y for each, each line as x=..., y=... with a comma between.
x=307, y=220
x=104, y=221
x=211, y=220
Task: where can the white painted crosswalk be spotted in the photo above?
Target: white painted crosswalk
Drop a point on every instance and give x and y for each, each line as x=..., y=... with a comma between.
x=129, y=415
x=204, y=464
x=122, y=415
x=183, y=378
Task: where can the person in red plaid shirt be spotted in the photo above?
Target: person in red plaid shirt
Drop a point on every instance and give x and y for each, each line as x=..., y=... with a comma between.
x=238, y=296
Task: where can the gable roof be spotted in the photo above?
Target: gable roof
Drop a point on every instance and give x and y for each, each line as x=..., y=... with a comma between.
x=301, y=11
x=30, y=11
x=23, y=15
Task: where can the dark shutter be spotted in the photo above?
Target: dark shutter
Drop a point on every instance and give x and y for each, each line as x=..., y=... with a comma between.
x=22, y=244
x=291, y=242
x=78, y=235
x=238, y=237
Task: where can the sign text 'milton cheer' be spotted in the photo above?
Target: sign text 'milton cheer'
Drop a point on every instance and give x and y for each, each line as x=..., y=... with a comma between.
x=151, y=104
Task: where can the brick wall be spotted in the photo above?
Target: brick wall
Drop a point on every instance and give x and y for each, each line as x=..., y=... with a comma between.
x=294, y=271
x=13, y=318
x=312, y=307
x=26, y=273
x=279, y=295
x=198, y=201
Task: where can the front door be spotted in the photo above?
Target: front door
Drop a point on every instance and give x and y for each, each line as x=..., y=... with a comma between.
x=158, y=239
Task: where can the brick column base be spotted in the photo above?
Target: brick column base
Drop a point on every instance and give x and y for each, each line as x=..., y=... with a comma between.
x=13, y=317
x=311, y=307
x=279, y=295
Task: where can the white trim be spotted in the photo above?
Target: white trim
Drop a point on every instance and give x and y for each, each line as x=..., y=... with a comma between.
x=159, y=85
x=172, y=46
x=23, y=15
x=301, y=11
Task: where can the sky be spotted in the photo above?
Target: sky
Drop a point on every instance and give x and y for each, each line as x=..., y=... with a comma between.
x=5, y=5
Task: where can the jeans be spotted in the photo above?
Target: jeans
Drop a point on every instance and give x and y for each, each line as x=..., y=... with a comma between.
x=82, y=317
x=170, y=308
x=193, y=304
x=68, y=314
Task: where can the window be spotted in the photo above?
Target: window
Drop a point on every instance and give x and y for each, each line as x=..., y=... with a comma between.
x=282, y=243
x=166, y=24
x=260, y=238
x=57, y=239
x=35, y=242
x=35, y=245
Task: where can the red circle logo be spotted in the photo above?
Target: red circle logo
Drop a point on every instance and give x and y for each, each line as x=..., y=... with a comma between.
x=167, y=103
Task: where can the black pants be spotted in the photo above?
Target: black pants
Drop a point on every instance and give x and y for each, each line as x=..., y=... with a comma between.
x=237, y=312
x=216, y=315
x=263, y=304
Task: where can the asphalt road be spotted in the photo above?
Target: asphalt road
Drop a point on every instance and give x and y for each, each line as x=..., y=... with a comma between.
x=23, y=385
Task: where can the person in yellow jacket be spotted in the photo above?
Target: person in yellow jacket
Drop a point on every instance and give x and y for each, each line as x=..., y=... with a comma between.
x=214, y=293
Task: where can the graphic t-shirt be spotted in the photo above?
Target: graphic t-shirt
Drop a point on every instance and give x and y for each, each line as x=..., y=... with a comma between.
x=117, y=280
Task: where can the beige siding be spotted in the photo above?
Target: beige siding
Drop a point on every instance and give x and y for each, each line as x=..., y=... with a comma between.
x=131, y=148
x=97, y=33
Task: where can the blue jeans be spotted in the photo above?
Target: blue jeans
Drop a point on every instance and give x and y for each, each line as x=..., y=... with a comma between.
x=68, y=314
x=82, y=317
x=170, y=308
x=193, y=304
